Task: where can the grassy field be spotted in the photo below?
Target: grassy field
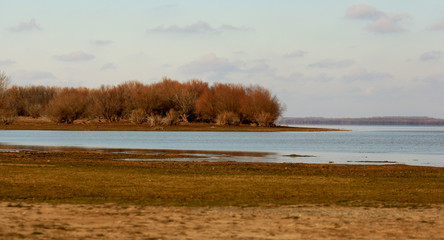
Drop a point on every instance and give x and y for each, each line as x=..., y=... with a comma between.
x=94, y=177
x=27, y=123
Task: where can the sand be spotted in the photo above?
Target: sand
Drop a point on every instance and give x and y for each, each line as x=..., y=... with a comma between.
x=69, y=221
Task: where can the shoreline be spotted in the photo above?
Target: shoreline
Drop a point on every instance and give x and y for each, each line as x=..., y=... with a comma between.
x=203, y=156
x=27, y=123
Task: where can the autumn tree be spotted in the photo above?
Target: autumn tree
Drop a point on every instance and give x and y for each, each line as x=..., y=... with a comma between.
x=30, y=100
x=184, y=98
x=163, y=103
x=111, y=102
x=7, y=116
x=4, y=82
x=260, y=106
x=221, y=103
x=205, y=106
x=68, y=105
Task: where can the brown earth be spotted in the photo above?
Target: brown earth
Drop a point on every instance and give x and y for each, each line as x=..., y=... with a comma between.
x=28, y=123
x=70, y=221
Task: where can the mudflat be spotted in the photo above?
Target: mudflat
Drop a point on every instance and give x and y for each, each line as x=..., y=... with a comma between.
x=71, y=193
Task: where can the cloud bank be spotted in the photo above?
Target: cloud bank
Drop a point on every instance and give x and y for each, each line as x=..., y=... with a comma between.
x=75, y=57
x=108, y=66
x=438, y=26
x=362, y=74
x=101, y=42
x=26, y=26
x=330, y=63
x=381, y=22
x=295, y=54
x=6, y=62
x=432, y=56
x=198, y=27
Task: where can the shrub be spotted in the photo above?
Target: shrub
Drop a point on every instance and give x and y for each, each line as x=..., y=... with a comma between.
x=154, y=120
x=229, y=118
x=69, y=105
x=171, y=118
x=138, y=116
x=265, y=119
x=7, y=117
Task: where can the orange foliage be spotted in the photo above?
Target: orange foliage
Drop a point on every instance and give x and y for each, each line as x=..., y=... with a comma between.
x=167, y=101
x=68, y=105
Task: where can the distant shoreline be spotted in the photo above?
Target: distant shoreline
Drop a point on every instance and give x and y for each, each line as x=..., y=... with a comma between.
x=384, y=121
x=27, y=123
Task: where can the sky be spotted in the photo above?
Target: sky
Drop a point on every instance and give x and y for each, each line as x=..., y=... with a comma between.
x=321, y=58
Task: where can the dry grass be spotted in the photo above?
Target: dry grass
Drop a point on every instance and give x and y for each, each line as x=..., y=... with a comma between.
x=93, y=177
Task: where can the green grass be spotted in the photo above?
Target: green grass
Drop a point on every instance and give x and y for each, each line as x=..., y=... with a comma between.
x=88, y=177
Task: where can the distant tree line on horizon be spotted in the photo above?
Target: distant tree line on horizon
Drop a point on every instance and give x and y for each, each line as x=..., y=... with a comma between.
x=167, y=102
x=394, y=120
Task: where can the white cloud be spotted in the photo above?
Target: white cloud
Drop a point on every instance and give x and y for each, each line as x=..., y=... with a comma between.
x=437, y=79
x=295, y=54
x=75, y=57
x=198, y=27
x=330, y=63
x=6, y=62
x=390, y=23
x=382, y=22
x=363, y=12
x=437, y=26
x=362, y=74
x=210, y=63
x=227, y=27
x=108, y=66
x=26, y=26
x=101, y=42
x=432, y=56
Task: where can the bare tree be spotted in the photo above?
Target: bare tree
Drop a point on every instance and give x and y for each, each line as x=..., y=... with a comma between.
x=4, y=82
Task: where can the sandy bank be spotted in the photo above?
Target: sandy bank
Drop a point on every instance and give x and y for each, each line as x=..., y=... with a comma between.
x=66, y=221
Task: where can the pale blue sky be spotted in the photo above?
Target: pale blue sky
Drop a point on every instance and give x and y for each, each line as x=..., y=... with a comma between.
x=343, y=58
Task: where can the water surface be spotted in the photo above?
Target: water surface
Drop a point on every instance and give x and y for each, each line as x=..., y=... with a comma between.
x=363, y=145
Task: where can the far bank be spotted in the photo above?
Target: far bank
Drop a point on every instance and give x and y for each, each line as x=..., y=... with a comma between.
x=28, y=123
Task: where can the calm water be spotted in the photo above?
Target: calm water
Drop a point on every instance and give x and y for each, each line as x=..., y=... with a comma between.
x=363, y=145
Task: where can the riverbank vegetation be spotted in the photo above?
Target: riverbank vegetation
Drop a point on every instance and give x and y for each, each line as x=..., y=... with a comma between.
x=95, y=177
x=165, y=103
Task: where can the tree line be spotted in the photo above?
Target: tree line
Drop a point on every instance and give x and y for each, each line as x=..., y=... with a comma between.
x=167, y=102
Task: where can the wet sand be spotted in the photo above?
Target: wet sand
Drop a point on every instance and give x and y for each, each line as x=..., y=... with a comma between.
x=70, y=221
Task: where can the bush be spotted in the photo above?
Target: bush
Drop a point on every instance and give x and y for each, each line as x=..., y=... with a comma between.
x=265, y=119
x=171, y=118
x=154, y=120
x=7, y=117
x=229, y=118
x=69, y=105
x=138, y=116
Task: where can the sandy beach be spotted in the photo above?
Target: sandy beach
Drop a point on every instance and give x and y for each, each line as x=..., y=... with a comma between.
x=108, y=221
